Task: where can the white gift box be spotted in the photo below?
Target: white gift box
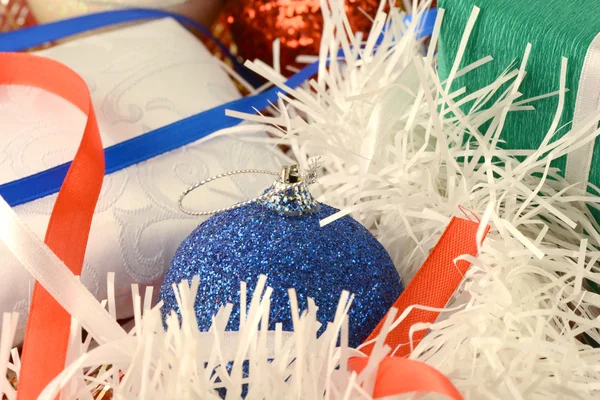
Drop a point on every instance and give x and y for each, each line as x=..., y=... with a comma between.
x=140, y=78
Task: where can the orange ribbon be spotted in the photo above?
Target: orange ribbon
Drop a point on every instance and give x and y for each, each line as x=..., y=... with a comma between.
x=397, y=375
x=433, y=286
x=46, y=337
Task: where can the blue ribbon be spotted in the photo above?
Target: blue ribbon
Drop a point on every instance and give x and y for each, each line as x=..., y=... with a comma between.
x=427, y=22
x=153, y=143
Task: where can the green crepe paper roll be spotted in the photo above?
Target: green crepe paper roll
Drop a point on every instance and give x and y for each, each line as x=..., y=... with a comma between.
x=555, y=28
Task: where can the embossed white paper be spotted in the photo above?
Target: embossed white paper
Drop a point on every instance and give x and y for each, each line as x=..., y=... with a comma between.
x=141, y=78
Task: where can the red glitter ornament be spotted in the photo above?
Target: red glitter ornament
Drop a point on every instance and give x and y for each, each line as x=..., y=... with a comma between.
x=14, y=14
x=255, y=24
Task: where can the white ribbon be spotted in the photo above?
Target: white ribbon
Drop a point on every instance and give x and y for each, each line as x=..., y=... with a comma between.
x=55, y=277
x=579, y=162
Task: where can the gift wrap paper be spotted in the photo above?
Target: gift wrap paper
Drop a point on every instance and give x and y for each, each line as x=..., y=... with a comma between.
x=555, y=28
x=141, y=78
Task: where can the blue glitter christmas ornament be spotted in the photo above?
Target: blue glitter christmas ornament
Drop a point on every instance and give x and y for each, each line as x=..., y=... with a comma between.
x=279, y=236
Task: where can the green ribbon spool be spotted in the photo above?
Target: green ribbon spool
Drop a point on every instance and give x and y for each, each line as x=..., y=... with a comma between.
x=556, y=29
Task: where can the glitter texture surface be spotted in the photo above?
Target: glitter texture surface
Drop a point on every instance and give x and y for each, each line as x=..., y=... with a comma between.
x=294, y=252
x=297, y=23
x=14, y=14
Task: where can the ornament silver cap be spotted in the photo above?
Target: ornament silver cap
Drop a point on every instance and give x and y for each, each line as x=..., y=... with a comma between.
x=289, y=194
x=290, y=174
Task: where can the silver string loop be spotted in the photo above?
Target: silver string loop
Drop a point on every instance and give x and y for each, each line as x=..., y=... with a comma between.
x=288, y=174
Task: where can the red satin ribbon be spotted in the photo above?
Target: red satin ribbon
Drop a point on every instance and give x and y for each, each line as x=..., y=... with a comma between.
x=397, y=375
x=433, y=286
x=46, y=338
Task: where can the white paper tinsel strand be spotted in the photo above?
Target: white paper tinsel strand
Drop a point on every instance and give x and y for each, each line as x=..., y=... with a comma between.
x=389, y=135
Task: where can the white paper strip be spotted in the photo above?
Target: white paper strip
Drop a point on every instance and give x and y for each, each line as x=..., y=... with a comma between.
x=55, y=277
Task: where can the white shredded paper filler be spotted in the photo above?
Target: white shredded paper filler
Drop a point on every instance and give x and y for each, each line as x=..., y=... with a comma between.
x=400, y=154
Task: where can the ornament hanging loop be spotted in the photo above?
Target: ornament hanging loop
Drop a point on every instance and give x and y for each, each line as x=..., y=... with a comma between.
x=290, y=175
